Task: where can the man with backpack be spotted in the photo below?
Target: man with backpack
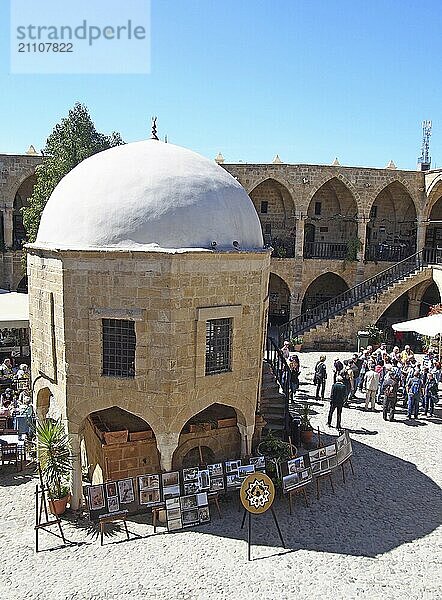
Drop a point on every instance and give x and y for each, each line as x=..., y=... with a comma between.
x=390, y=395
x=414, y=391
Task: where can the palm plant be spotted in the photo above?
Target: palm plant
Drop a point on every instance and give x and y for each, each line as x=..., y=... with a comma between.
x=54, y=455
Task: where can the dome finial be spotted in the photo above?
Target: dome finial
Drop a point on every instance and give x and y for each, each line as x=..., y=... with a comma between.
x=154, y=135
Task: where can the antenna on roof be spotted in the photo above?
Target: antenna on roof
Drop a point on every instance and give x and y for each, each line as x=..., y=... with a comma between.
x=424, y=160
x=154, y=134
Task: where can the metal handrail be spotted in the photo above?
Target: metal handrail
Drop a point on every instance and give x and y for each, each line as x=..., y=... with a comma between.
x=366, y=289
x=283, y=375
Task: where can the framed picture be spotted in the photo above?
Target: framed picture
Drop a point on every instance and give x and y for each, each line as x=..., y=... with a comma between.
x=216, y=484
x=295, y=464
x=190, y=474
x=204, y=479
x=173, y=513
x=245, y=470
x=215, y=470
x=259, y=462
x=172, y=503
x=174, y=524
x=126, y=491
x=204, y=514
x=233, y=480
x=96, y=497
x=232, y=466
x=171, y=478
x=149, y=482
x=289, y=482
x=201, y=499
x=113, y=504
x=190, y=517
x=172, y=491
x=111, y=489
x=330, y=450
x=192, y=487
x=188, y=502
x=149, y=497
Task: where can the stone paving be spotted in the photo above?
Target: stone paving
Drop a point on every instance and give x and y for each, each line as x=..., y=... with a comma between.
x=379, y=536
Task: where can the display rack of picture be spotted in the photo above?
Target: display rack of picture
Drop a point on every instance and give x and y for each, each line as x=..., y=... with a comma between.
x=323, y=460
x=343, y=447
x=111, y=498
x=170, y=482
x=296, y=472
x=233, y=480
x=196, y=480
x=216, y=475
x=149, y=489
x=187, y=511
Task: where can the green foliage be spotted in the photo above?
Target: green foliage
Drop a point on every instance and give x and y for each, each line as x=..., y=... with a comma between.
x=72, y=140
x=354, y=245
x=273, y=448
x=305, y=424
x=54, y=455
x=376, y=335
x=296, y=341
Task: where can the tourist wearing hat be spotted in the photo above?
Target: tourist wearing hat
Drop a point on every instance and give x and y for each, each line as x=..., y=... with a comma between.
x=320, y=378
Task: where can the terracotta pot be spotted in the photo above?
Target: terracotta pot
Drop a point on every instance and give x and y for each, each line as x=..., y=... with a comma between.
x=306, y=435
x=57, y=507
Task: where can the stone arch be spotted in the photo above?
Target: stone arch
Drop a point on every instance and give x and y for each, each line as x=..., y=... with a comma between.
x=392, y=224
x=429, y=297
x=215, y=427
x=21, y=197
x=136, y=453
x=275, y=207
x=279, y=300
x=332, y=215
x=323, y=288
x=340, y=177
x=434, y=193
x=433, y=237
x=15, y=182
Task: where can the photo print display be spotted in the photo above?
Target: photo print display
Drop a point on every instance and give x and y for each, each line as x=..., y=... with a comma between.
x=191, y=487
x=171, y=484
x=289, y=482
x=113, y=504
x=173, y=514
x=232, y=466
x=96, y=497
x=190, y=474
x=190, y=517
x=297, y=464
x=233, y=481
x=216, y=484
x=259, y=463
x=245, y=470
x=126, y=491
x=216, y=470
x=111, y=489
x=149, y=488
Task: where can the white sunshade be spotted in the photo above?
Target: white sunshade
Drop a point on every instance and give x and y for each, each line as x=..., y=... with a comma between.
x=431, y=325
x=14, y=310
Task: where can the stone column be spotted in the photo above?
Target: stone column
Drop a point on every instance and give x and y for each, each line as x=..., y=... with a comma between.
x=413, y=309
x=362, y=236
x=246, y=433
x=167, y=443
x=8, y=226
x=299, y=237
x=76, y=478
x=420, y=235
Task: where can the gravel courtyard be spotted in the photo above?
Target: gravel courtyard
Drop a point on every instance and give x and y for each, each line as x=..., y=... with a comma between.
x=379, y=536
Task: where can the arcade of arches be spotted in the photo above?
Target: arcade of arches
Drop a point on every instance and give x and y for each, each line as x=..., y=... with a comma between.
x=322, y=289
x=24, y=192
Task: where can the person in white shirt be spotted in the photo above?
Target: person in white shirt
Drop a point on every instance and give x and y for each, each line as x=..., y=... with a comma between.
x=371, y=385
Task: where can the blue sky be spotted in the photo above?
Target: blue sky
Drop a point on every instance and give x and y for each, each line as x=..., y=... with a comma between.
x=252, y=78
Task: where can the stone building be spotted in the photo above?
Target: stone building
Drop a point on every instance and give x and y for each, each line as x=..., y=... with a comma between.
x=148, y=287
x=308, y=213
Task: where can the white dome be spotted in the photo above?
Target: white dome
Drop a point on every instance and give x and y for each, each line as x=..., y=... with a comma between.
x=148, y=193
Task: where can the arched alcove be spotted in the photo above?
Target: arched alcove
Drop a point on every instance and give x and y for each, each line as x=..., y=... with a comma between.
x=430, y=297
x=392, y=228
x=22, y=287
x=120, y=443
x=42, y=402
x=433, y=238
x=21, y=201
x=323, y=288
x=215, y=429
x=331, y=221
x=279, y=300
x=274, y=205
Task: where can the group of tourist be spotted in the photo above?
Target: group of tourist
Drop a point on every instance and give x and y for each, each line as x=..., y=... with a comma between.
x=383, y=376
x=16, y=409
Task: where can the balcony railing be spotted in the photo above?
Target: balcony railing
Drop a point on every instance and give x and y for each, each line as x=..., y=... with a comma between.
x=388, y=252
x=325, y=250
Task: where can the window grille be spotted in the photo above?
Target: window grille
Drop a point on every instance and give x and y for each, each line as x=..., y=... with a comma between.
x=264, y=206
x=119, y=343
x=318, y=208
x=218, y=346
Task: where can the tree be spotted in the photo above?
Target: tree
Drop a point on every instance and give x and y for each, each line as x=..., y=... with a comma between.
x=71, y=141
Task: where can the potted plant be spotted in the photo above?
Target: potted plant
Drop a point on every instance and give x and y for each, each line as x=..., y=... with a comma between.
x=305, y=427
x=55, y=459
x=275, y=451
x=297, y=343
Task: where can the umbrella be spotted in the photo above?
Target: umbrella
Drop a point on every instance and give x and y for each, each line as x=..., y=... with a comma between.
x=430, y=326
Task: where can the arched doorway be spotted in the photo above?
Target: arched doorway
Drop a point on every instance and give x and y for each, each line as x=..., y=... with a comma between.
x=120, y=443
x=392, y=228
x=331, y=221
x=22, y=287
x=433, y=238
x=21, y=201
x=210, y=436
x=323, y=288
x=275, y=209
x=279, y=300
x=430, y=297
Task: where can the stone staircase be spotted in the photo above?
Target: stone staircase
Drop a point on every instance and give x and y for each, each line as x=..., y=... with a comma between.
x=360, y=305
x=337, y=332
x=272, y=404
